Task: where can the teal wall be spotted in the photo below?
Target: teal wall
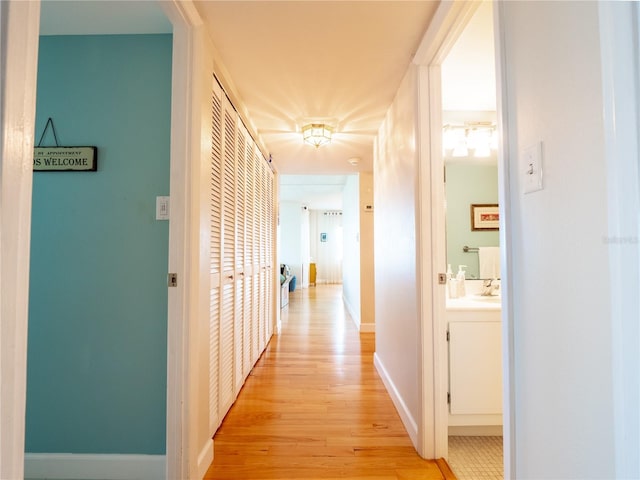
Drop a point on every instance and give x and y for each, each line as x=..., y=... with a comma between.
x=97, y=350
x=466, y=185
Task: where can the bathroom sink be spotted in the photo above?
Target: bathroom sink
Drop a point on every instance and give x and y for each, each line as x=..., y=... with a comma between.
x=488, y=298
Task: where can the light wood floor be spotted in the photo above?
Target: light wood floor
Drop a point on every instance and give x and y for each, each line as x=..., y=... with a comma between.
x=315, y=408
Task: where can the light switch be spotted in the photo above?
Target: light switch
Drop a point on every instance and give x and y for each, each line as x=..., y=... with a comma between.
x=162, y=208
x=531, y=168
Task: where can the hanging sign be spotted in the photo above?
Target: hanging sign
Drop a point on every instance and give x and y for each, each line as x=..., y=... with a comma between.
x=63, y=159
x=77, y=159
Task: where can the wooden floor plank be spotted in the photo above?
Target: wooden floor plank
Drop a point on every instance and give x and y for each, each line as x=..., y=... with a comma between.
x=314, y=407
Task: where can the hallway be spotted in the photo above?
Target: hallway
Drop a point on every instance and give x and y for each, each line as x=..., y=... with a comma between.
x=314, y=407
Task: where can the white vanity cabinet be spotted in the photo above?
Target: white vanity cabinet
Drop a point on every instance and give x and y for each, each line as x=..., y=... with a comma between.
x=475, y=366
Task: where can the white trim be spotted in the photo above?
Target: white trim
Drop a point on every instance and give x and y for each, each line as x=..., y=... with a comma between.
x=426, y=264
x=506, y=247
x=367, y=328
x=74, y=466
x=184, y=19
x=619, y=46
x=205, y=458
x=439, y=258
x=362, y=327
x=352, y=313
x=408, y=421
x=448, y=23
x=19, y=29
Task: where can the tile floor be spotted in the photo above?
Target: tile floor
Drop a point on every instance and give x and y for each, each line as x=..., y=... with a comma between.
x=476, y=458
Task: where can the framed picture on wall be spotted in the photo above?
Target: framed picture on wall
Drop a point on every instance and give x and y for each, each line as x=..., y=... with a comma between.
x=323, y=237
x=484, y=216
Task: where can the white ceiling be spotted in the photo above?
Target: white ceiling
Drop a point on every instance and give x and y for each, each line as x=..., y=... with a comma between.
x=318, y=192
x=292, y=62
x=468, y=71
x=101, y=17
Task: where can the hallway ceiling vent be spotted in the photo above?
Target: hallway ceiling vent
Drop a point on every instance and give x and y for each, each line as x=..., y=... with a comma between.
x=317, y=134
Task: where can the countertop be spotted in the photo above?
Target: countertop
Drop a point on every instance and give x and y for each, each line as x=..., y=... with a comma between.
x=475, y=302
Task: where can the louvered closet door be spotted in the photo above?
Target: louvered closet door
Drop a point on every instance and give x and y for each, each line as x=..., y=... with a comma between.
x=257, y=330
x=263, y=254
x=215, y=249
x=247, y=357
x=269, y=240
x=240, y=326
x=227, y=335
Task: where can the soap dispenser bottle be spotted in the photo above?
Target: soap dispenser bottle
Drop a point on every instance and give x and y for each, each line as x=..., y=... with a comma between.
x=460, y=277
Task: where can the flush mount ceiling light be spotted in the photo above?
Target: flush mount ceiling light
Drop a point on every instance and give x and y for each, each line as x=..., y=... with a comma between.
x=317, y=134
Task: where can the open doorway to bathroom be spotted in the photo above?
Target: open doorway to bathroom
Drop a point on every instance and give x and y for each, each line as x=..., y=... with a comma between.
x=473, y=300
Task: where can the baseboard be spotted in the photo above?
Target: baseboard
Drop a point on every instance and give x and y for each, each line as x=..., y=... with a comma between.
x=476, y=431
x=367, y=328
x=205, y=458
x=352, y=313
x=362, y=327
x=81, y=466
x=408, y=421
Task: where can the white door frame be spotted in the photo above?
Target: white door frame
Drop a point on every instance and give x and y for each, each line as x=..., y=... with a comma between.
x=19, y=25
x=181, y=450
x=506, y=282
x=448, y=23
x=19, y=31
x=619, y=43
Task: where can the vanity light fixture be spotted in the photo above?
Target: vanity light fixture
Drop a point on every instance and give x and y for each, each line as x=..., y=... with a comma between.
x=460, y=150
x=317, y=134
x=482, y=152
x=480, y=137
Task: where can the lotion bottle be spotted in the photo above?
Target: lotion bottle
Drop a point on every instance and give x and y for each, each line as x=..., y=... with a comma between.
x=460, y=278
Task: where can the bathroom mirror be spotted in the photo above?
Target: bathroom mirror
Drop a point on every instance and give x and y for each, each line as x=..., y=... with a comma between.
x=468, y=181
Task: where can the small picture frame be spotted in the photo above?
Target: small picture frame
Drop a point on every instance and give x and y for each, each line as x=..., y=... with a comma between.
x=323, y=237
x=485, y=216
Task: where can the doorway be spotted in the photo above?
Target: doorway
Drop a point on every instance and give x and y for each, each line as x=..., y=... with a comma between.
x=468, y=112
x=473, y=301
x=327, y=220
x=181, y=152
x=311, y=214
x=97, y=346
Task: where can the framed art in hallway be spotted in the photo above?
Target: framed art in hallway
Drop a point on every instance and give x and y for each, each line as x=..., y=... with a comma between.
x=484, y=216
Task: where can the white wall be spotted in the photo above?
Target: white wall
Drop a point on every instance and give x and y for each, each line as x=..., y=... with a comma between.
x=367, y=272
x=559, y=260
x=291, y=237
x=351, y=249
x=396, y=298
